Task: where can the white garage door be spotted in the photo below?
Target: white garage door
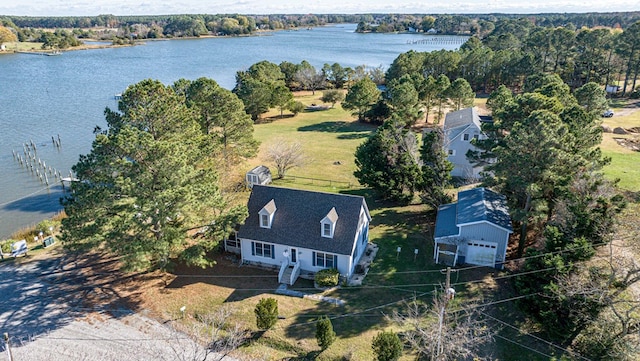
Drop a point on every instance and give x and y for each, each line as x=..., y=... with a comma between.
x=481, y=253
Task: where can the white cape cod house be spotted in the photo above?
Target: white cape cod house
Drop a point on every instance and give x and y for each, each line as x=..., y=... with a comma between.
x=475, y=230
x=303, y=232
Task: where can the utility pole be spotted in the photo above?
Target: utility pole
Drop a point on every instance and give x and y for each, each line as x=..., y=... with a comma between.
x=6, y=345
x=441, y=316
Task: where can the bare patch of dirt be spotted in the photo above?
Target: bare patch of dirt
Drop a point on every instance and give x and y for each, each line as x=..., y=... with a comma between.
x=629, y=143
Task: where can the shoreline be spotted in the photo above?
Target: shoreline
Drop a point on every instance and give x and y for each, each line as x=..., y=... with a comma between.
x=12, y=47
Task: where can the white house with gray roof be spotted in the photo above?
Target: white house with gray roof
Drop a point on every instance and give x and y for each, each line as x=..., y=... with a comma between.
x=303, y=232
x=474, y=230
x=460, y=128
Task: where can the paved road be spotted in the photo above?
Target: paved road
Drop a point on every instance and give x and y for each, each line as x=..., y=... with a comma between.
x=43, y=308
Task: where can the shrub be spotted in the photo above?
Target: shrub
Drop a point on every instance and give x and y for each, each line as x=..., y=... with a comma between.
x=324, y=333
x=5, y=246
x=295, y=107
x=387, y=346
x=327, y=277
x=44, y=226
x=266, y=313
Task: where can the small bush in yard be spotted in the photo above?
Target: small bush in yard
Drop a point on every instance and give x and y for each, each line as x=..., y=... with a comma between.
x=387, y=346
x=266, y=313
x=327, y=277
x=324, y=333
x=5, y=246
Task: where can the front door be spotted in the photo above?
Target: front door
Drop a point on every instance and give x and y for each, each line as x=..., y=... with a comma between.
x=293, y=255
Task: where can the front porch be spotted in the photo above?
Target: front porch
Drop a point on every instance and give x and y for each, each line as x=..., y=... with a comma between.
x=446, y=254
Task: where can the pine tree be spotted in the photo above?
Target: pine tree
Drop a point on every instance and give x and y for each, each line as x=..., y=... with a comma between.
x=266, y=313
x=324, y=333
x=387, y=346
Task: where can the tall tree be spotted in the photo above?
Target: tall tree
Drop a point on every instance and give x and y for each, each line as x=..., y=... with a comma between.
x=461, y=94
x=442, y=95
x=261, y=87
x=427, y=91
x=281, y=96
x=147, y=180
x=629, y=48
x=255, y=95
x=309, y=78
x=592, y=97
x=436, y=169
x=361, y=97
x=388, y=161
x=404, y=101
x=222, y=118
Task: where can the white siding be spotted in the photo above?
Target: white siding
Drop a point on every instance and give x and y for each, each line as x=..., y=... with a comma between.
x=461, y=165
x=305, y=258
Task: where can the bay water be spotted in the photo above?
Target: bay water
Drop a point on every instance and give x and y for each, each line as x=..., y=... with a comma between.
x=53, y=103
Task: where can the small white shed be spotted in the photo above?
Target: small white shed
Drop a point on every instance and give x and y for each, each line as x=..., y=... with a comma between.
x=259, y=175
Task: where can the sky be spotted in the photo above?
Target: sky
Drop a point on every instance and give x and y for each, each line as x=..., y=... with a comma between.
x=160, y=7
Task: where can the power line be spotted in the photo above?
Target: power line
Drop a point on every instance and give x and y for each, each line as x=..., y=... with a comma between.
x=535, y=337
x=523, y=346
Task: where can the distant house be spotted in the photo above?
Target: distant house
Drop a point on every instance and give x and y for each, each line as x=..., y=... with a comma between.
x=302, y=232
x=259, y=175
x=474, y=230
x=460, y=128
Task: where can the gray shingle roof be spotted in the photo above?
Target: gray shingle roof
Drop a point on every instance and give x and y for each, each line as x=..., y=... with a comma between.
x=462, y=117
x=474, y=205
x=297, y=219
x=262, y=172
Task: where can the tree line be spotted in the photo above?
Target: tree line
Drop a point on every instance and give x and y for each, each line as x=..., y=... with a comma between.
x=516, y=49
x=482, y=24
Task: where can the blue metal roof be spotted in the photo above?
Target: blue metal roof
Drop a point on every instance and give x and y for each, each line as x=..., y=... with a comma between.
x=474, y=205
x=446, y=221
x=481, y=204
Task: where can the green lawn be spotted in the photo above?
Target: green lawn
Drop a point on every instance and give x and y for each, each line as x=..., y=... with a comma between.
x=625, y=163
x=329, y=139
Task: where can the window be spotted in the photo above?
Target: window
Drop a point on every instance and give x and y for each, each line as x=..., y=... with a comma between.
x=465, y=137
x=328, y=223
x=476, y=136
x=326, y=260
x=262, y=249
x=365, y=234
x=326, y=230
x=452, y=152
x=266, y=214
x=235, y=243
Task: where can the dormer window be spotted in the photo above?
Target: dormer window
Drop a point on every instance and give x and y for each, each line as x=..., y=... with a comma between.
x=326, y=229
x=329, y=223
x=266, y=214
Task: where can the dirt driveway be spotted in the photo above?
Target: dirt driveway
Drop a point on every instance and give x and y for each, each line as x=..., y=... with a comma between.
x=62, y=308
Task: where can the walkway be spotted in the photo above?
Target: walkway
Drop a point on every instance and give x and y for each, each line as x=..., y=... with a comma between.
x=283, y=290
